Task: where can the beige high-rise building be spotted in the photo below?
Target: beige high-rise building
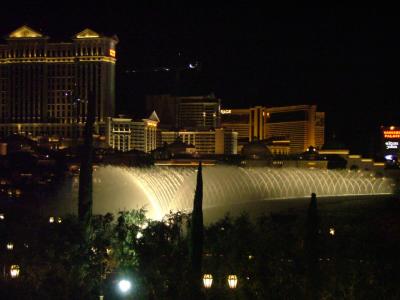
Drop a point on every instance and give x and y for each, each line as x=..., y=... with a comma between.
x=257, y=123
x=300, y=125
x=45, y=85
x=125, y=134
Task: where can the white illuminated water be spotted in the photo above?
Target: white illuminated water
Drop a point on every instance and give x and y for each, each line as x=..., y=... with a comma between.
x=164, y=189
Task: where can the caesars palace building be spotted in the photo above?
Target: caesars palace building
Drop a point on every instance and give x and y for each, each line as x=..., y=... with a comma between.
x=45, y=86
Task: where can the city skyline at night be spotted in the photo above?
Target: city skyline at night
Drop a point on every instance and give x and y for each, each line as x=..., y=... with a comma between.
x=199, y=151
x=339, y=58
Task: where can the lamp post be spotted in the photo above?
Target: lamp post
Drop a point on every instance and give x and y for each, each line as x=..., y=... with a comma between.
x=207, y=281
x=332, y=231
x=14, y=271
x=10, y=246
x=232, y=281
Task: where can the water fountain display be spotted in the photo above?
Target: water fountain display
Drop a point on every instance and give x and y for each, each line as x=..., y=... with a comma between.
x=162, y=189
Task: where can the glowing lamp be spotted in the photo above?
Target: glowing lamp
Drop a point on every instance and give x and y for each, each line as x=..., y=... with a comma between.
x=232, y=281
x=124, y=285
x=2, y=217
x=59, y=220
x=14, y=271
x=10, y=246
x=207, y=280
x=332, y=231
x=51, y=220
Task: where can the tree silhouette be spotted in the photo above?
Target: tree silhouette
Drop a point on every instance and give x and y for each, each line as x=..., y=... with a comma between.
x=196, y=245
x=312, y=251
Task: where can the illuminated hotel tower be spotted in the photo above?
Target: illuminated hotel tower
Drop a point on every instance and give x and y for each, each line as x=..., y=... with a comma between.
x=45, y=86
x=302, y=125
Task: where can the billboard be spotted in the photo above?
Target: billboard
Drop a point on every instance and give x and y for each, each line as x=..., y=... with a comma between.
x=390, y=142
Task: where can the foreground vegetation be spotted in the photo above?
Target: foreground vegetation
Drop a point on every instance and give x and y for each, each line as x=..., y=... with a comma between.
x=270, y=255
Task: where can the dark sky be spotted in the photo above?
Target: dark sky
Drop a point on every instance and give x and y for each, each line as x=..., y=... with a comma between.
x=342, y=58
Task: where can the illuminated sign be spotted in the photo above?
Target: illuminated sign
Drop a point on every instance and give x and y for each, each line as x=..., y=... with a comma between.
x=112, y=52
x=392, y=145
x=226, y=111
x=391, y=134
x=389, y=157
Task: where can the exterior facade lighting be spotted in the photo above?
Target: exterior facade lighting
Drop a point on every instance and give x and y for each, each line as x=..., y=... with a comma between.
x=207, y=280
x=232, y=281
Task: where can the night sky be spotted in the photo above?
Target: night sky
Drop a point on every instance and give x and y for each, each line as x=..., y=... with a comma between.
x=344, y=59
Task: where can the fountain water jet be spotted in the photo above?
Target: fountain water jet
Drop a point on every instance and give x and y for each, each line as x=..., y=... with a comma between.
x=164, y=189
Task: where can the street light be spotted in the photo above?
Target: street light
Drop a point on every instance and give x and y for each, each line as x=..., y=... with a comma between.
x=207, y=280
x=124, y=285
x=10, y=246
x=232, y=281
x=14, y=271
x=332, y=231
x=2, y=217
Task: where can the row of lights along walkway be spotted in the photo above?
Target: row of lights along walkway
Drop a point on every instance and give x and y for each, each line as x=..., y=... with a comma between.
x=208, y=280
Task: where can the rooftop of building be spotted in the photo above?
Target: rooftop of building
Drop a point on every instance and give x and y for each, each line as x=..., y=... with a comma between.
x=26, y=33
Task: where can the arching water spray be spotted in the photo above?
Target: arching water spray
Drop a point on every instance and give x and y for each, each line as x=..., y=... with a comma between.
x=164, y=189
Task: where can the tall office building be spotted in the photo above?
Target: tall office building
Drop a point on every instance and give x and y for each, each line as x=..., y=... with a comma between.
x=45, y=86
x=199, y=112
x=190, y=112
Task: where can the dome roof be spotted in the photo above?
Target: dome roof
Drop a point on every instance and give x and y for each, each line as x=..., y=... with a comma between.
x=256, y=150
